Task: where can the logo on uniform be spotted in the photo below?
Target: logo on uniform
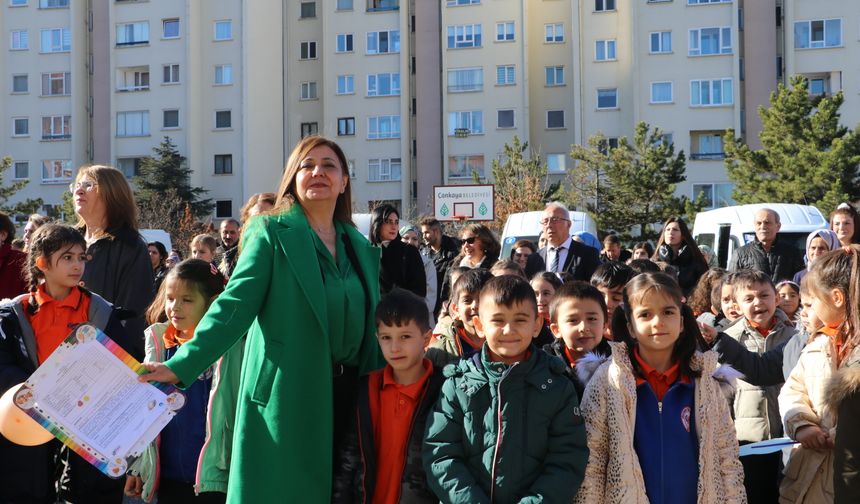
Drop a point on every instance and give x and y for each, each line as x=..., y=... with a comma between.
x=685, y=417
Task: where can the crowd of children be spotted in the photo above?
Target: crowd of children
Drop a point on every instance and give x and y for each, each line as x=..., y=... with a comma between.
x=546, y=389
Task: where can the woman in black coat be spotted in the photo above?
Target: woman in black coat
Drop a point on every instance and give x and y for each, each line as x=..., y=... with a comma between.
x=401, y=264
x=677, y=247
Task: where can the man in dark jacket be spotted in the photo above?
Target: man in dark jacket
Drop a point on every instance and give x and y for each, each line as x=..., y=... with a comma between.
x=442, y=249
x=562, y=254
x=767, y=253
x=228, y=252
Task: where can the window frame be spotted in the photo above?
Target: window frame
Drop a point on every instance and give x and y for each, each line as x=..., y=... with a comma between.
x=604, y=5
x=607, y=43
x=563, y=119
x=671, y=99
x=215, y=24
x=219, y=204
x=134, y=42
x=553, y=37
x=308, y=91
x=348, y=43
x=306, y=47
x=64, y=167
x=393, y=78
x=222, y=67
x=347, y=79
x=15, y=80
x=221, y=113
x=564, y=163
x=65, y=33
x=660, y=42
x=477, y=86
x=164, y=113
x=302, y=5
x=169, y=68
x=26, y=121
x=503, y=33
x=463, y=40
x=25, y=40
x=513, y=74
x=464, y=118
x=722, y=81
x=467, y=160
x=145, y=121
x=616, y=106
x=377, y=134
x=164, y=23
x=348, y=128
x=809, y=32
x=513, y=119
x=226, y=162
x=65, y=128
x=392, y=42
x=15, y=175
x=556, y=70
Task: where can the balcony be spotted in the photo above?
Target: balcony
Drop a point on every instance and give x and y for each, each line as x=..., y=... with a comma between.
x=382, y=5
x=707, y=146
x=708, y=156
x=131, y=79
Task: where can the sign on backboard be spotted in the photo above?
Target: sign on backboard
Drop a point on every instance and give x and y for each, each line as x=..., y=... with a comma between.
x=464, y=202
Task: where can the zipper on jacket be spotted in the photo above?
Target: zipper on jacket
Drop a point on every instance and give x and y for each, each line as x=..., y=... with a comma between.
x=499, y=433
x=662, y=451
x=409, y=437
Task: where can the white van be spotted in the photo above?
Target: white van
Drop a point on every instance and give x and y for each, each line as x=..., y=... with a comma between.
x=526, y=226
x=729, y=228
x=157, y=235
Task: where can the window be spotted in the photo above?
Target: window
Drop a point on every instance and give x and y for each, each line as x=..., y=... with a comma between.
x=20, y=40
x=129, y=34
x=170, y=28
x=463, y=167
x=505, y=119
x=661, y=42
x=224, y=30
x=223, y=209
x=381, y=127
x=465, y=79
x=130, y=167
x=384, y=84
x=604, y=5
x=344, y=4
x=554, y=119
x=607, y=98
x=661, y=92
x=17, y=3
x=308, y=50
x=22, y=170
x=53, y=4
x=20, y=126
x=703, y=2
x=382, y=5
x=56, y=171
x=716, y=195
x=555, y=76
x=505, y=31
x=383, y=170
x=170, y=118
x=308, y=10
x=704, y=93
x=817, y=33
x=554, y=33
x=344, y=43
x=383, y=42
x=452, y=3
x=345, y=84
x=309, y=128
x=223, y=164
x=223, y=119
x=556, y=163
x=472, y=121
x=505, y=75
x=171, y=74
x=56, y=84
x=223, y=75
x=56, y=40
x=20, y=83
x=607, y=144
x=346, y=126
x=604, y=50
x=706, y=145
x=819, y=86
x=709, y=41
x=56, y=127
x=463, y=36
x=308, y=91
x=132, y=79
x=131, y=124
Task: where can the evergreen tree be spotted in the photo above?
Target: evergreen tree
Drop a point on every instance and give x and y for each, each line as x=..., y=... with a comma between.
x=806, y=157
x=166, y=173
x=7, y=190
x=631, y=188
x=521, y=183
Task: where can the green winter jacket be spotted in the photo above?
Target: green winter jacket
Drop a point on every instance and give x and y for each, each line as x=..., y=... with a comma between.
x=518, y=438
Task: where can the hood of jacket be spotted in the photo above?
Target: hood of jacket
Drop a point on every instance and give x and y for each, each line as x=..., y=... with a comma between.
x=844, y=382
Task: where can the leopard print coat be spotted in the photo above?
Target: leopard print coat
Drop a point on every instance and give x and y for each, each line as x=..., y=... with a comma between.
x=613, y=474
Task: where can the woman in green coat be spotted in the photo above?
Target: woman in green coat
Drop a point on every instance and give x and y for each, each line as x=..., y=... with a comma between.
x=304, y=290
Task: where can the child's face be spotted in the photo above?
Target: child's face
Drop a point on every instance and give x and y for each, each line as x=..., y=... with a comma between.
x=200, y=251
x=183, y=304
x=656, y=324
x=757, y=303
x=544, y=292
x=789, y=300
x=613, y=297
x=727, y=303
x=509, y=330
x=580, y=323
x=640, y=253
x=465, y=310
x=808, y=319
x=402, y=346
x=65, y=267
x=828, y=306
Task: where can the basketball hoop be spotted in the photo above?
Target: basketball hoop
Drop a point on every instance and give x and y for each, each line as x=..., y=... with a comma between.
x=460, y=218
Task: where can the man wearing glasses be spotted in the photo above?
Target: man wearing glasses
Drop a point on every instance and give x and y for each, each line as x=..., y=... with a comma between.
x=562, y=254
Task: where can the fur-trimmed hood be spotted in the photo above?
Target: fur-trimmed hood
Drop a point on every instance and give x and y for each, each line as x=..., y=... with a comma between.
x=725, y=375
x=842, y=384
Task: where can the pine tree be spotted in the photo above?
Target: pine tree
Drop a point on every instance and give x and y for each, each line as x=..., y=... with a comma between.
x=806, y=157
x=165, y=174
x=631, y=188
x=521, y=183
x=7, y=190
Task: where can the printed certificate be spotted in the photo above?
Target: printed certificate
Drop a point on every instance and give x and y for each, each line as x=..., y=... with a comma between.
x=87, y=395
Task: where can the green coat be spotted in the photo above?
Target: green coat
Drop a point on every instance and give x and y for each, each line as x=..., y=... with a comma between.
x=538, y=454
x=282, y=447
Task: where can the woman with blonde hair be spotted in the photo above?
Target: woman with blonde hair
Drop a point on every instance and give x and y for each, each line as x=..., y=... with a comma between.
x=257, y=204
x=304, y=289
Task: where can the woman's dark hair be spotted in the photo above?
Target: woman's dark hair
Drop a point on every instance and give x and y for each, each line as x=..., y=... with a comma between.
x=45, y=242
x=848, y=210
x=523, y=243
x=399, y=307
x=611, y=275
x=162, y=250
x=6, y=225
x=377, y=217
x=644, y=245
x=686, y=238
x=487, y=239
x=700, y=300
x=548, y=277
x=205, y=277
x=640, y=266
x=648, y=284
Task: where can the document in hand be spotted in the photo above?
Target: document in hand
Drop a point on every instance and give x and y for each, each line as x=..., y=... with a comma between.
x=87, y=395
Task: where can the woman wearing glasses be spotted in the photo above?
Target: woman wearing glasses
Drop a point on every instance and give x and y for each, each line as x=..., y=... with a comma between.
x=401, y=265
x=480, y=247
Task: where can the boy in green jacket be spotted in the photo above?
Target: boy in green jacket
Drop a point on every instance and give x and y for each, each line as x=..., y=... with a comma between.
x=507, y=426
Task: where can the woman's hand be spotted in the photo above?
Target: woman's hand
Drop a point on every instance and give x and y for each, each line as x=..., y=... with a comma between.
x=133, y=486
x=813, y=437
x=158, y=372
